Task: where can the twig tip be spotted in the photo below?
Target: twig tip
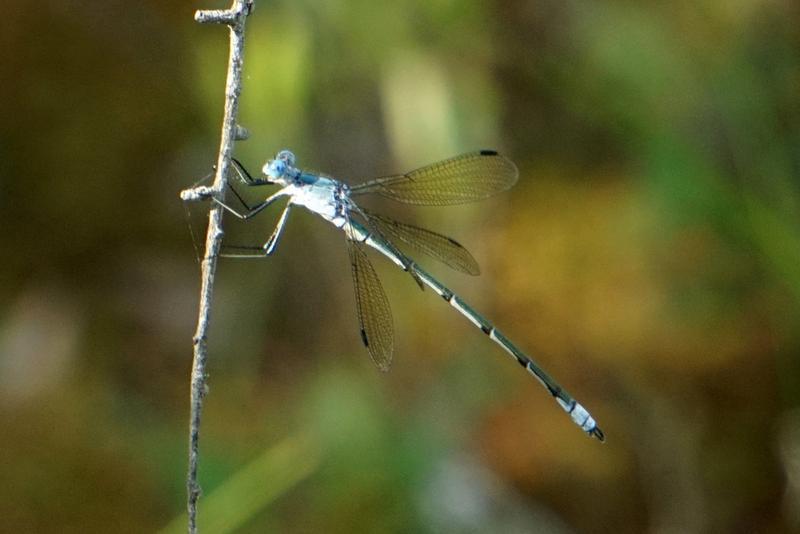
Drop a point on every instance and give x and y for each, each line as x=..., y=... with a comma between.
x=196, y=194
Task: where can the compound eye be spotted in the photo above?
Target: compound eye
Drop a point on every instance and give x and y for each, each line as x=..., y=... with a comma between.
x=279, y=168
x=275, y=169
x=287, y=156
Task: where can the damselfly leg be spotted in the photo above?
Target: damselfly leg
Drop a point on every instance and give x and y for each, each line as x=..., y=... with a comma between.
x=244, y=212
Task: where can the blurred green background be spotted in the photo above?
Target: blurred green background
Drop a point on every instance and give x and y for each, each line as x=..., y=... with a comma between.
x=649, y=258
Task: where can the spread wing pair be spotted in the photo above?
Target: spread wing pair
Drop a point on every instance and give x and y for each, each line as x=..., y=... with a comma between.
x=465, y=178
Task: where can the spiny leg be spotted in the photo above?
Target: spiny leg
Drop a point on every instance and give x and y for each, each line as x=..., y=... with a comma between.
x=255, y=210
x=246, y=177
x=269, y=247
x=189, y=218
x=205, y=180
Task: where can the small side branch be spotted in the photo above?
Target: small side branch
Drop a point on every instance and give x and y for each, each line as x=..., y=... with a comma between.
x=232, y=17
x=235, y=18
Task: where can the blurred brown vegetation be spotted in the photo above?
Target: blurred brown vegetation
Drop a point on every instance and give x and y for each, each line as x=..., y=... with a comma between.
x=649, y=258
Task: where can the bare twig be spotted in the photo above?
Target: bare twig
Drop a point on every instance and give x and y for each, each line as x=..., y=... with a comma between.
x=235, y=18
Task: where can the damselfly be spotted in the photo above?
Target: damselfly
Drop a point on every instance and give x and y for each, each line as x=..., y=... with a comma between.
x=464, y=178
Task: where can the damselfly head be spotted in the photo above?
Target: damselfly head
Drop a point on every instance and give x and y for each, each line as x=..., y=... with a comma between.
x=279, y=169
x=287, y=156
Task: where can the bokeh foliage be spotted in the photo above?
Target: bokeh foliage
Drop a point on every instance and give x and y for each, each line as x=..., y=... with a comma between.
x=649, y=257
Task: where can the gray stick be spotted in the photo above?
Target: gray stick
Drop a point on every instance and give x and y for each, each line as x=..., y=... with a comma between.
x=234, y=18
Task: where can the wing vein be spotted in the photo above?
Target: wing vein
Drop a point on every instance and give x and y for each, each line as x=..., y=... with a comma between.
x=443, y=248
x=465, y=178
x=372, y=306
